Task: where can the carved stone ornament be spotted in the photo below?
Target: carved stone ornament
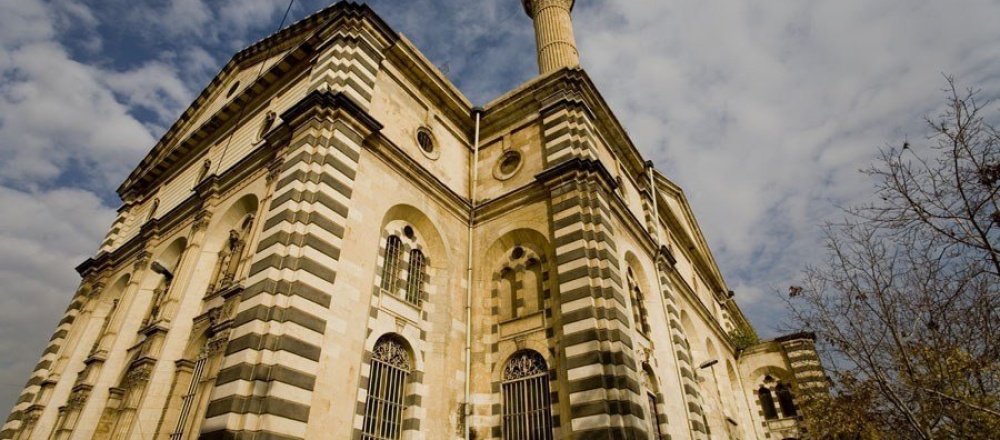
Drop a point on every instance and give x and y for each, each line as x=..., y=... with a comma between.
x=142, y=260
x=202, y=219
x=274, y=170
x=32, y=414
x=393, y=353
x=95, y=289
x=213, y=315
x=642, y=355
x=228, y=310
x=78, y=398
x=217, y=344
x=139, y=373
x=526, y=364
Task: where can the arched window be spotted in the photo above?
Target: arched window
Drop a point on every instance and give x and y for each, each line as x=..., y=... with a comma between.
x=651, y=390
x=767, y=403
x=390, y=268
x=526, y=407
x=414, y=277
x=638, y=310
x=785, y=401
x=386, y=391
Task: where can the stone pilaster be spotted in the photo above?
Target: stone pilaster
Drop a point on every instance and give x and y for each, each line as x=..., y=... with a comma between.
x=568, y=130
x=600, y=370
x=349, y=60
x=269, y=371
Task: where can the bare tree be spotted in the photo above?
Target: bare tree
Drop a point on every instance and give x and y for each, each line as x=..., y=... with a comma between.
x=907, y=302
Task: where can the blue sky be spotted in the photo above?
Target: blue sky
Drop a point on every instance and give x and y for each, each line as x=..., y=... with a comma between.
x=762, y=111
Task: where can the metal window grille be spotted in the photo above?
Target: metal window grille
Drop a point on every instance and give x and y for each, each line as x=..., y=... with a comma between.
x=188, y=399
x=653, y=419
x=390, y=268
x=649, y=385
x=414, y=280
x=526, y=406
x=386, y=385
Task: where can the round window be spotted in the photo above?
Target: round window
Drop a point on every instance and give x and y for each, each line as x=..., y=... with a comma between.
x=236, y=85
x=508, y=165
x=426, y=143
x=517, y=253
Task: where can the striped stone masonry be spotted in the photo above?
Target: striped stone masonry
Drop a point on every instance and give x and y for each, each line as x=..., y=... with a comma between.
x=44, y=369
x=111, y=239
x=265, y=386
x=689, y=380
x=601, y=371
x=417, y=325
x=805, y=363
x=568, y=131
x=496, y=358
x=350, y=59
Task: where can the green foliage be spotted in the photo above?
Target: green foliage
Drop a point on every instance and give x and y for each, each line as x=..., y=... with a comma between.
x=743, y=338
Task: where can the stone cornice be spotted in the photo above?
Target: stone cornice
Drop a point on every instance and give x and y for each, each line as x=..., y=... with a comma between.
x=692, y=242
x=527, y=194
x=528, y=5
x=576, y=165
x=330, y=105
x=405, y=57
x=393, y=156
x=694, y=246
x=162, y=160
x=571, y=84
x=186, y=212
x=299, y=40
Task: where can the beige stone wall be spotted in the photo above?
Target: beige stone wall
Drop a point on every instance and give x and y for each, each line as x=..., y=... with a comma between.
x=82, y=388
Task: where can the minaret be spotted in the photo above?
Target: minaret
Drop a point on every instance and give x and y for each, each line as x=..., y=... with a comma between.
x=553, y=33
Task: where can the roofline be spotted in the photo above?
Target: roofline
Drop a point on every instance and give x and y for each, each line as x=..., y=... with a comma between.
x=288, y=39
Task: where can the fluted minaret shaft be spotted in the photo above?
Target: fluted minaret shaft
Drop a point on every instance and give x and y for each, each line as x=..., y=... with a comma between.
x=553, y=33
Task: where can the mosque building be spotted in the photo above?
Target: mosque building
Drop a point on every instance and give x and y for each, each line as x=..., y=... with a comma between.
x=332, y=242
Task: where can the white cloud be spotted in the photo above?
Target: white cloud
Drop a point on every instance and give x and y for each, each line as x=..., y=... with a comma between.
x=764, y=111
x=65, y=125
x=43, y=235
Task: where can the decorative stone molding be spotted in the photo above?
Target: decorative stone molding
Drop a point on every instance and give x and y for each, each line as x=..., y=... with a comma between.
x=202, y=220
x=142, y=260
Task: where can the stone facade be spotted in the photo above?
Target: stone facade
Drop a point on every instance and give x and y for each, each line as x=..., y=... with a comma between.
x=331, y=242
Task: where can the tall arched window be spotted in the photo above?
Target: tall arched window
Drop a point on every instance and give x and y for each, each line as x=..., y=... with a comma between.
x=651, y=390
x=390, y=268
x=386, y=390
x=638, y=310
x=526, y=406
x=414, y=277
x=767, y=403
x=785, y=401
